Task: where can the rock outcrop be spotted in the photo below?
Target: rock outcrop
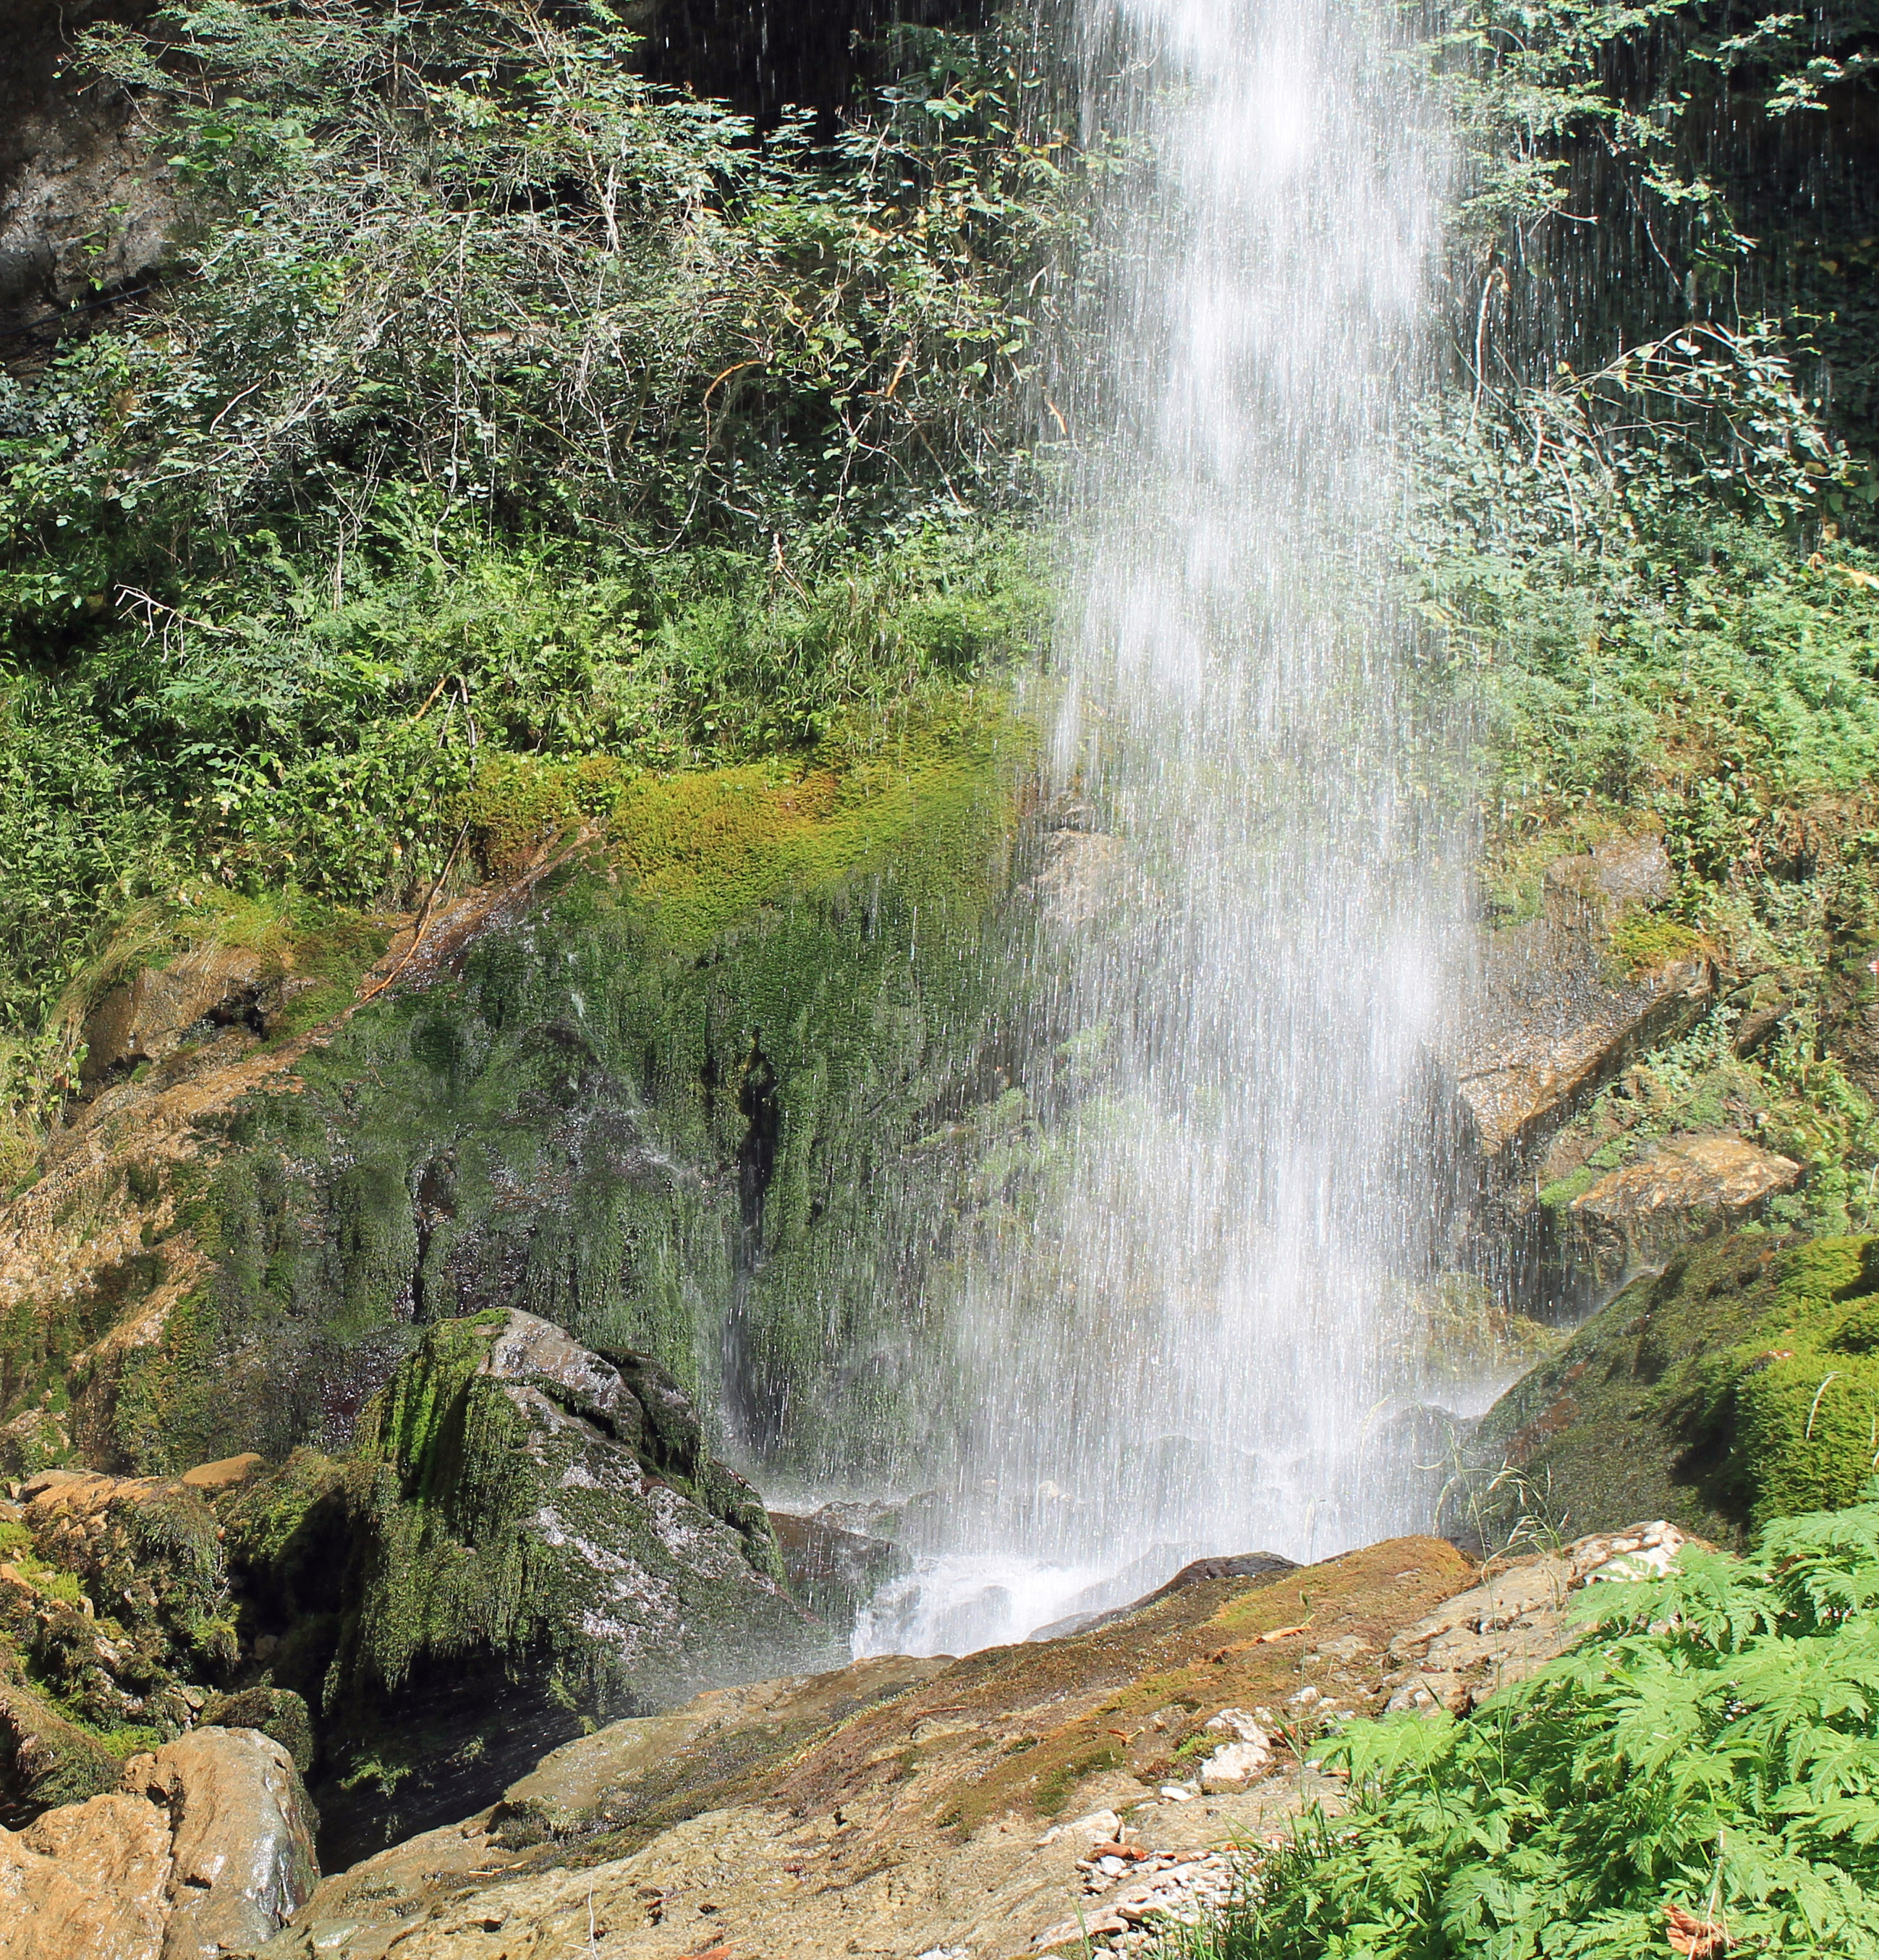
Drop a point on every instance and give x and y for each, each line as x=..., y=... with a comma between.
x=147, y=1017
x=204, y=1850
x=1088, y=1794
x=1674, y=1191
x=834, y=1569
x=87, y=200
x=1258, y=1568
x=530, y=1535
x=1509, y=1626
x=538, y=1536
x=114, y=1598
x=1556, y=1014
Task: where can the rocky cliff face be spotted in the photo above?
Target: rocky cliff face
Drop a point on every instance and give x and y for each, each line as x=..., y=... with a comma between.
x=85, y=196
x=526, y=1536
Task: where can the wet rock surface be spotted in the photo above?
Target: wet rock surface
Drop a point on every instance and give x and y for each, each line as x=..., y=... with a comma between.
x=1262, y=1567
x=537, y=1535
x=529, y=1534
x=833, y=1568
x=1675, y=1191
x=204, y=1850
x=147, y=1017
x=920, y=1808
x=1098, y=1792
x=1085, y=876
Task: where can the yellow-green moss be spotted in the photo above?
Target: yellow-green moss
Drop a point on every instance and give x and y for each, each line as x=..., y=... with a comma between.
x=1807, y=1384
x=1739, y=1385
x=1643, y=941
x=706, y=849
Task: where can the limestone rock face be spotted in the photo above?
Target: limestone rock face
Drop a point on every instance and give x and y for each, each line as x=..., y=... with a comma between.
x=521, y=1493
x=87, y=1881
x=1553, y=1021
x=1686, y=1187
x=903, y=1806
x=241, y=1852
x=207, y=1849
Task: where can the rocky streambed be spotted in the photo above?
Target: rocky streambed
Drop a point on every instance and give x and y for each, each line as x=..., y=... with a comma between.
x=1109, y=1786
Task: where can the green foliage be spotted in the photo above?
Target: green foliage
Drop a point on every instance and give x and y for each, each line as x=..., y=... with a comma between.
x=1707, y=1746
x=334, y=751
x=1646, y=650
x=473, y=257
x=498, y=403
x=1788, y=1097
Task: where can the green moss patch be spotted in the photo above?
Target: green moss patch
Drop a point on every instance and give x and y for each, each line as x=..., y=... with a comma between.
x=1740, y=1384
x=688, y=1088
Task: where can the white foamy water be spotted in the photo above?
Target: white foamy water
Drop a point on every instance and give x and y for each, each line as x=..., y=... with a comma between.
x=1195, y=1343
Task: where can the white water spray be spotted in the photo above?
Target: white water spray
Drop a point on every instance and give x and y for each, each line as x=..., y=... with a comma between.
x=1193, y=1343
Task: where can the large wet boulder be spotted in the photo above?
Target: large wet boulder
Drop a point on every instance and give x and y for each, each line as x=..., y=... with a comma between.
x=834, y=1568
x=539, y=1537
x=1739, y=1384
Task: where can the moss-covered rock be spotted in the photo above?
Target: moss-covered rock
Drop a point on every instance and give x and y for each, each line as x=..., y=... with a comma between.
x=46, y=1758
x=538, y=1537
x=671, y=1104
x=1740, y=1383
x=276, y=1712
x=116, y=1622
x=34, y=1440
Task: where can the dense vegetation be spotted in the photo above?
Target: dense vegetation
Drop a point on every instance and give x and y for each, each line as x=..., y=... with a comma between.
x=499, y=404
x=1703, y=1763
x=1645, y=520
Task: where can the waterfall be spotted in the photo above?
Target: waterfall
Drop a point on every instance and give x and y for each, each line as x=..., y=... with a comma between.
x=1195, y=1342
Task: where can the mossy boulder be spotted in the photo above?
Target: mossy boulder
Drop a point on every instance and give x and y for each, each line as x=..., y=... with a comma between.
x=35, y=1440
x=539, y=1537
x=1740, y=1383
x=46, y=1758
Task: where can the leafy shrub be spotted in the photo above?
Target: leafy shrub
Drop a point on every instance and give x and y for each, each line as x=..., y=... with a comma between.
x=1708, y=1748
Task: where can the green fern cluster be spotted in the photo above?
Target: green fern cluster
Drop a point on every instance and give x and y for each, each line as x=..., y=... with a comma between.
x=1711, y=1745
